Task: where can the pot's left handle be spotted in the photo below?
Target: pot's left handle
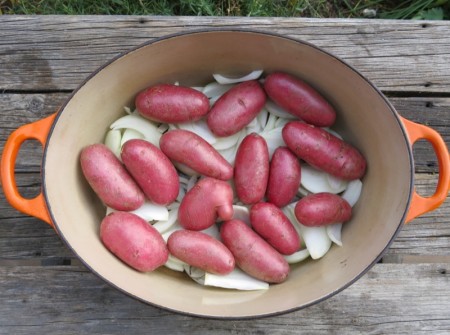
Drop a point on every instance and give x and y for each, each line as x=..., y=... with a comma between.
x=36, y=206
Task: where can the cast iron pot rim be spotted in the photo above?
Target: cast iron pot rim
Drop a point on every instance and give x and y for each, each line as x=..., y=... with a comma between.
x=236, y=30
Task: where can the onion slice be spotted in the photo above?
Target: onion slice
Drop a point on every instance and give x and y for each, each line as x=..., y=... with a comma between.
x=297, y=256
x=138, y=123
x=113, y=139
x=317, y=181
x=236, y=279
x=232, y=80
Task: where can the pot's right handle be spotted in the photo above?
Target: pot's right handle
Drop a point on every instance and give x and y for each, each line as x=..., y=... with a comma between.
x=36, y=206
x=419, y=204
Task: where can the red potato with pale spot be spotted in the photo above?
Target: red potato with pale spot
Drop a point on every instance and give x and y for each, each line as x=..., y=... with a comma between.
x=272, y=224
x=134, y=241
x=324, y=151
x=299, y=99
x=320, y=209
x=109, y=179
x=284, y=177
x=152, y=170
x=252, y=253
x=251, y=170
x=236, y=108
x=208, y=200
x=186, y=147
x=172, y=103
x=202, y=251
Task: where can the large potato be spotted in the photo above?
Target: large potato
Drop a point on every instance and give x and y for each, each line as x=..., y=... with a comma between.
x=321, y=209
x=208, y=200
x=202, y=251
x=134, y=241
x=252, y=253
x=299, y=98
x=324, y=151
x=251, y=170
x=152, y=170
x=271, y=224
x=172, y=103
x=236, y=108
x=284, y=177
x=109, y=179
x=186, y=147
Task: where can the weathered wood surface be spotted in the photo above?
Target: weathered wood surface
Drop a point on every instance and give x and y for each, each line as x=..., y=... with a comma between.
x=45, y=289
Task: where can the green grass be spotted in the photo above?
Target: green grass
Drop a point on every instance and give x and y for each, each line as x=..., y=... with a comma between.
x=419, y=9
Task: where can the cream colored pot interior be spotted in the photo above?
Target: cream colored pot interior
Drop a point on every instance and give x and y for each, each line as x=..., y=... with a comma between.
x=364, y=118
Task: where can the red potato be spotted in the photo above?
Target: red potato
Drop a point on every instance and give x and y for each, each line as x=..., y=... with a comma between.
x=251, y=171
x=152, y=170
x=321, y=209
x=272, y=225
x=236, y=108
x=324, y=151
x=109, y=179
x=134, y=241
x=207, y=201
x=186, y=147
x=202, y=251
x=172, y=103
x=284, y=177
x=299, y=99
x=252, y=253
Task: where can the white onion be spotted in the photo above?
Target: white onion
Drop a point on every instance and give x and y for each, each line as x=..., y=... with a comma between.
x=185, y=169
x=215, y=90
x=113, y=139
x=130, y=134
x=271, y=120
x=317, y=181
x=236, y=279
x=274, y=109
x=138, y=123
x=190, y=184
x=334, y=233
x=212, y=231
x=262, y=118
x=297, y=257
x=152, y=212
x=169, y=224
x=242, y=213
x=223, y=143
x=201, y=129
x=232, y=80
x=175, y=264
x=274, y=139
x=353, y=192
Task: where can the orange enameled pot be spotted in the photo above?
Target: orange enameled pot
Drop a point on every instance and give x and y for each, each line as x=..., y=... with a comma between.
x=365, y=118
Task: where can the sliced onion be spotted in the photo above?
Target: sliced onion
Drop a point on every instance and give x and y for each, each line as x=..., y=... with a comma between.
x=212, y=231
x=185, y=169
x=242, y=213
x=215, y=90
x=334, y=233
x=271, y=120
x=274, y=109
x=190, y=184
x=297, y=257
x=112, y=141
x=232, y=80
x=274, y=139
x=223, y=143
x=136, y=122
x=152, y=212
x=175, y=264
x=262, y=117
x=281, y=122
x=198, y=88
x=317, y=181
x=201, y=129
x=316, y=239
x=196, y=274
x=236, y=279
x=168, y=225
x=353, y=191
x=130, y=134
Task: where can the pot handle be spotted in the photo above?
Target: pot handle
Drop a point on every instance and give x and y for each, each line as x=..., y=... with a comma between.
x=36, y=206
x=419, y=204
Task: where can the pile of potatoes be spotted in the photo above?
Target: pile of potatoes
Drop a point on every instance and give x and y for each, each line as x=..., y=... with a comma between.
x=262, y=182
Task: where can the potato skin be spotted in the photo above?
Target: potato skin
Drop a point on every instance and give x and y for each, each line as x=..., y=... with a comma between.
x=192, y=150
x=272, y=225
x=208, y=200
x=202, y=251
x=299, y=99
x=324, y=151
x=321, y=209
x=284, y=177
x=251, y=170
x=152, y=170
x=172, y=103
x=134, y=241
x=252, y=253
x=236, y=108
x=109, y=179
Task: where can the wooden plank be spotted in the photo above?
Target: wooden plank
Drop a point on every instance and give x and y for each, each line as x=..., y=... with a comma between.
x=38, y=53
x=389, y=299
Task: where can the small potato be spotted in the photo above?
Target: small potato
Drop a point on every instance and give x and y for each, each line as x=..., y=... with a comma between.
x=252, y=253
x=324, y=151
x=186, y=147
x=134, y=241
x=251, y=171
x=321, y=209
x=207, y=201
x=272, y=225
x=202, y=251
x=109, y=179
x=236, y=108
x=152, y=170
x=172, y=103
x=299, y=99
x=284, y=177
